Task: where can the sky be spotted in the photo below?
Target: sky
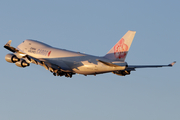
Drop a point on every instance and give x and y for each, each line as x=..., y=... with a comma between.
x=92, y=27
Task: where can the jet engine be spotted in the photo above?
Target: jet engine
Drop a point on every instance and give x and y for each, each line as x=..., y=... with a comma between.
x=11, y=58
x=122, y=72
x=22, y=63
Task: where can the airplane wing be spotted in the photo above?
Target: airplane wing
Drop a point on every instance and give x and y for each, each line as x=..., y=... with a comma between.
x=135, y=66
x=150, y=66
x=130, y=68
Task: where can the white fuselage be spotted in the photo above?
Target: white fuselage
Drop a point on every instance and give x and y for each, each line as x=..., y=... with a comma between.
x=67, y=60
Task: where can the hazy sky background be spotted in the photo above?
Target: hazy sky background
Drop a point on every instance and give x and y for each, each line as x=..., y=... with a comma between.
x=92, y=27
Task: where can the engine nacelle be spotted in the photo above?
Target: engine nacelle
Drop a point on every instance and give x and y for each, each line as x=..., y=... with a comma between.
x=22, y=63
x=122, y=72
x=11, y=58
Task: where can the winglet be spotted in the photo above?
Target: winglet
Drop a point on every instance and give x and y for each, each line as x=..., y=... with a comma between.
x=172, y=63
x=8, y=43
x=9, y=47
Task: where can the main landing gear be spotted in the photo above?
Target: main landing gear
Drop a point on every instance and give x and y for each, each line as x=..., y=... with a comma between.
x=61, y=73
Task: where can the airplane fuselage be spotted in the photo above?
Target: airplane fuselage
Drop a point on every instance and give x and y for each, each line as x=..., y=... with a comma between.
x=68, y=60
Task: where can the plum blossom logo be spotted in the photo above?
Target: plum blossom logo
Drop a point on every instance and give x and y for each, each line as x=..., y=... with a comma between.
x=120, y=49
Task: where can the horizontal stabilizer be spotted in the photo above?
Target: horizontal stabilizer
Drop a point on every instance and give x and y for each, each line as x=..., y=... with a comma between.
x=112, y=64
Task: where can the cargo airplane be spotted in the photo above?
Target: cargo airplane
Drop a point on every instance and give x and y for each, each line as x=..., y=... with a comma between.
x=67, y=63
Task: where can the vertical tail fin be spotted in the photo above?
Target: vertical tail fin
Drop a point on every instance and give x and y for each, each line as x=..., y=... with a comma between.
x=119, y=51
